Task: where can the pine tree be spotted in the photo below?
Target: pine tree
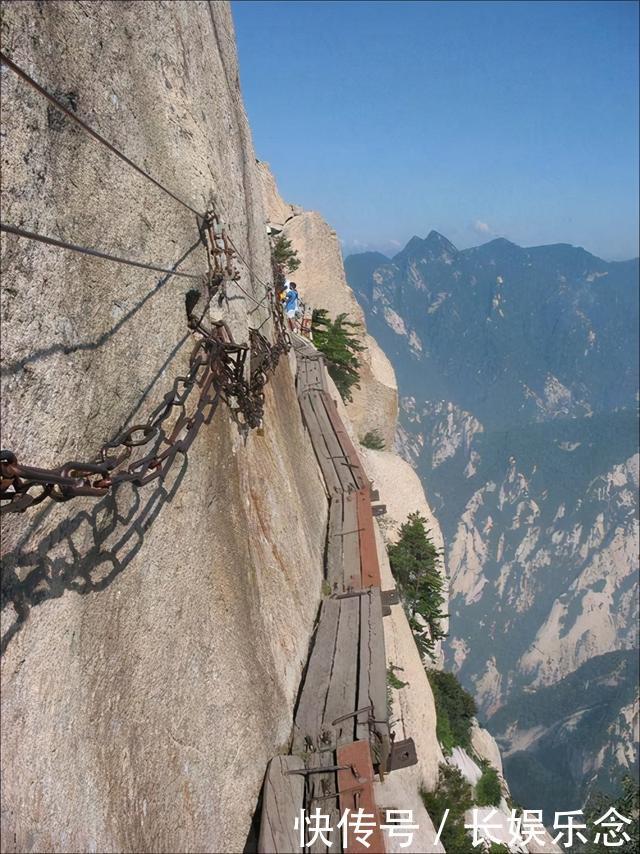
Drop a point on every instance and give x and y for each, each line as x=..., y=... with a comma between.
x=339, y=342
x=284, y=254
x=415, y=563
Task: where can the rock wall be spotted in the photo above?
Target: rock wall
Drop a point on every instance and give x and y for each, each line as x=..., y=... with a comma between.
x=154, y=638
x=322, y=284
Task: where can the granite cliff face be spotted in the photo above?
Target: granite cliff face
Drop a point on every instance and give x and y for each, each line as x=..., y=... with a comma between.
x=149, y=673
x=517, y=371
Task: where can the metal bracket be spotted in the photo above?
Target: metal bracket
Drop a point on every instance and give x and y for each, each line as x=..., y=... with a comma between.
x=403, y=755
x=351, y=715
x=389, y=598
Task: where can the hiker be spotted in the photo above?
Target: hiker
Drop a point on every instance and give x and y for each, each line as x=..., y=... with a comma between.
x=291, y=305
x=284, y=292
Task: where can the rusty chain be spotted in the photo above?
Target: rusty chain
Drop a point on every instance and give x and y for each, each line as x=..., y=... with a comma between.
x=217, y=371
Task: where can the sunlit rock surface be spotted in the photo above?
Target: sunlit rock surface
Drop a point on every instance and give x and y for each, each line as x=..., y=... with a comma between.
x=155, y=638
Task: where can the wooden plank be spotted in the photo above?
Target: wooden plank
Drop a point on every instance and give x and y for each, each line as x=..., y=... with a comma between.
x=372, y=679
x=355, y=785
x=347, y=445
x=378, y=681
x=318, y=787
x=308, y=728
x=282, y=800
x=362, y=724
x=302, y=380
x=336, y=453
x=334, y=573
x=351, y=544
x=319, y=445
x=319, y=372
x=341, y=699
x=369, y=563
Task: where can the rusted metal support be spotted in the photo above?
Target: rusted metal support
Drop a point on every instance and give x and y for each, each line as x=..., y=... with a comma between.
x=389, y=598
x=369, y=564
x=355, y=787
x=403, y=754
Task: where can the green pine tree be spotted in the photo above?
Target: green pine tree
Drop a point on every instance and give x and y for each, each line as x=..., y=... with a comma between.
x=339, y=342
x=454, y=794
x=415, y=563
x=284, y=255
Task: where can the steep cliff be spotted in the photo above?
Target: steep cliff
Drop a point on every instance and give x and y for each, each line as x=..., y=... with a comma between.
x=155, y=637
x=412, y=704
x=322, y=283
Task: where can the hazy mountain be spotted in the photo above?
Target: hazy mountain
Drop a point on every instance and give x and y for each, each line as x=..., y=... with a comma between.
x=517, y=370
x=575, y=735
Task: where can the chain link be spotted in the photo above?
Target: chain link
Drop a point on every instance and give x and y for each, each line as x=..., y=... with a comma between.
x=146, y=451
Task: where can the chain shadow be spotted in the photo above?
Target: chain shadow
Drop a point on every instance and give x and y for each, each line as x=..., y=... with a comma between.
x=85, y=553
x=11, y=368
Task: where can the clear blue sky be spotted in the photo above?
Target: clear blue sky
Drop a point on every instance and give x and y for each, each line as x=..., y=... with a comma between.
x=477, y=119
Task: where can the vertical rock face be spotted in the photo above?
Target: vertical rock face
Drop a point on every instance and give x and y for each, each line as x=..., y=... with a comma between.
x=322, y=283
x=153, y=639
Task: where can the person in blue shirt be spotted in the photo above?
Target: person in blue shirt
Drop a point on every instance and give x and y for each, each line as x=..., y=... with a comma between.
x=291, y=305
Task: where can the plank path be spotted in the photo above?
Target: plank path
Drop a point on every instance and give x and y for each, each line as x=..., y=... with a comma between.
x=341, y=734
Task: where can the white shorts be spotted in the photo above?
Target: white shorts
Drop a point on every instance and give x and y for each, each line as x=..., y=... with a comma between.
x=291, y=313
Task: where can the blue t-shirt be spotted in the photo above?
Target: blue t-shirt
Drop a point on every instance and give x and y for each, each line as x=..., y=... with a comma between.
x=292, y=300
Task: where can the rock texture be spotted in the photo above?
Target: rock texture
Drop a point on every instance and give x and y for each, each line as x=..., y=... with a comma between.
x=149, y=671
x=322, y=284
x=402, y=493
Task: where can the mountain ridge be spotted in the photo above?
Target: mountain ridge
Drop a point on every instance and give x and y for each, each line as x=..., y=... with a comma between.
x=517, y=373
x=416, y=240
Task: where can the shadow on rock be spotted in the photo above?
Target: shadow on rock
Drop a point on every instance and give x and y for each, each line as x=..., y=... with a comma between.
x=85, y=552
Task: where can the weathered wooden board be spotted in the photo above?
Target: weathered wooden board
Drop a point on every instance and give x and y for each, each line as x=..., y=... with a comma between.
x=372, y=678
x=369, y=563
x=355, y=785
x=334, y=445
x=378, y=680
x=282, y=801
x=318, y=441
x=308, y=724
x=315, y=372
x=341, y=699
x=319, y=787
x=334, y=571
x=348, y=447
x=364, y=701
x=351, y=544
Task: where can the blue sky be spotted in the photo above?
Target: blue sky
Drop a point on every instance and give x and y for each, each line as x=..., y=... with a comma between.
x=478, y=119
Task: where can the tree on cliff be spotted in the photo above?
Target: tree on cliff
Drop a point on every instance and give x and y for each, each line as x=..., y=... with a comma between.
x=338, y=341
x=284, y=254
x=415, y=563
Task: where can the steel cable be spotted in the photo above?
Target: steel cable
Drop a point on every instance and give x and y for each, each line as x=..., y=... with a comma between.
x=23, y=74
x=97, y=253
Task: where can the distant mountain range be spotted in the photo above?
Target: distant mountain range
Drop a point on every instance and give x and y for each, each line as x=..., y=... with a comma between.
x=518, y=375
x=507, y=333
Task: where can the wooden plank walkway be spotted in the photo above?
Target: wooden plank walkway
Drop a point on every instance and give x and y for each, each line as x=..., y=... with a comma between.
x=341, y=719
x=282, y=795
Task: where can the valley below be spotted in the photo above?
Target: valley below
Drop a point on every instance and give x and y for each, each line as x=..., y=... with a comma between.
x=517, y=375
